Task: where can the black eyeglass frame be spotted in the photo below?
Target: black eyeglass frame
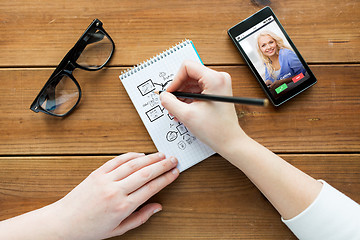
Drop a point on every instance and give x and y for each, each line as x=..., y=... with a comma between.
x=68, y=64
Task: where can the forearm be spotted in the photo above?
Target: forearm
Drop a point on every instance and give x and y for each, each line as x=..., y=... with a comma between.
x=38, y=224
x=288, y=189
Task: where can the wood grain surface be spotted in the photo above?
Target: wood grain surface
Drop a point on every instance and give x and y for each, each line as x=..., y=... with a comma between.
x=42, y=157
x=39, y=33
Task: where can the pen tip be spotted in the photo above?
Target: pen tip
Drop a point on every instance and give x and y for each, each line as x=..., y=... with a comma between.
x=266, y=102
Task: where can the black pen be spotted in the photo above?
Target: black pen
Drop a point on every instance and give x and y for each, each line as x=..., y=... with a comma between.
x=210, y=97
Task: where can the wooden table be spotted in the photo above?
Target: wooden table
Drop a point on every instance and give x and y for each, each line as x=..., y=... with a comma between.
x=42, y=157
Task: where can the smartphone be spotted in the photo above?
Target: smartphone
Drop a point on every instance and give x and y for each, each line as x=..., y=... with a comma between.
x=272, y=56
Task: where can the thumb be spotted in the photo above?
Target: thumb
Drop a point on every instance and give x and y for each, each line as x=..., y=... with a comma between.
x=172, y=104
x=137, y=218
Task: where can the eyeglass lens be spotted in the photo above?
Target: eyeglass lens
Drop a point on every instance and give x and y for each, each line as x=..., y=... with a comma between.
x=96, y=52
x=61, y=96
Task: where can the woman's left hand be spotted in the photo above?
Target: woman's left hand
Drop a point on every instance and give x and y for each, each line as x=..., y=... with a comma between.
x=275, y=84
x=103, y=205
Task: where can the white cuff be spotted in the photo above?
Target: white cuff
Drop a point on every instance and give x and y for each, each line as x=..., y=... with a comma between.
x=332, y=215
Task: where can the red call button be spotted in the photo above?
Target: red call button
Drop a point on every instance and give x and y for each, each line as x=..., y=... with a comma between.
x=298, y=77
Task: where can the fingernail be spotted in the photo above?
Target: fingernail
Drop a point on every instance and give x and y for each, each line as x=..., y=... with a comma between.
x=157, y=210
x=162, y=94
x=175, y=171
x=161, y=155
x=173, y=159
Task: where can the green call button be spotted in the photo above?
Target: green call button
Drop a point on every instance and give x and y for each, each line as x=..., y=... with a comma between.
x=281, y=88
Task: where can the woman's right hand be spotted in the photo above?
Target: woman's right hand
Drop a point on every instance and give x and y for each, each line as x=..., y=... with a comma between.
x=214, y=123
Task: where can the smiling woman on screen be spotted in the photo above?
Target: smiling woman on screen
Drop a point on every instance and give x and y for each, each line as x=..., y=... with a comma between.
x=281, y=63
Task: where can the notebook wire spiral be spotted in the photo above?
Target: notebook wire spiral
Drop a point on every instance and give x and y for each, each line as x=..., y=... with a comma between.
x=156, y=58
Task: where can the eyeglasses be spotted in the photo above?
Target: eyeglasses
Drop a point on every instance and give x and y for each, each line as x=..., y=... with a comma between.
x=61, y=93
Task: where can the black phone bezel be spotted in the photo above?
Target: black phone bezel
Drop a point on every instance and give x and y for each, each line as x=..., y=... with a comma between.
x=251, y=21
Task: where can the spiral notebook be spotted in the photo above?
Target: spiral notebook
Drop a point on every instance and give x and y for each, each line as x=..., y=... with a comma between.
x=169, y=136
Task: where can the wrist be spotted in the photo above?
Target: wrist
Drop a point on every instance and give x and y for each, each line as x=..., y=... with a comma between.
x=240, y=151
x=232, y=146
x=60, y=225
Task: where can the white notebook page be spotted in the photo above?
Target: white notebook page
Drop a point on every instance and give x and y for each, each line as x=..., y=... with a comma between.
x=169, y=136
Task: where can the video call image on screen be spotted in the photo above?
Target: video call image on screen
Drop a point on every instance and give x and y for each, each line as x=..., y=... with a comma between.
x=274, y=59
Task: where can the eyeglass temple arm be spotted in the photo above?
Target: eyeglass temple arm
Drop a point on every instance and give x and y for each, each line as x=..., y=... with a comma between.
x=95, y=37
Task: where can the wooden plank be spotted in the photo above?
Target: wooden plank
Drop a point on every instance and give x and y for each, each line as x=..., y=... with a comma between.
x=212, y=200
x=40, y=33
x=325, y=118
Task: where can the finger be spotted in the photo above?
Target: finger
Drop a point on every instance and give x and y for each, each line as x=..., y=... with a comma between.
x=188, y=70
x=190, y=86
x=146, y=174
x=216, y=83
x=134, y=165
x=137, y=218
x=151, y=188
x=119, y=160
x=173, y=105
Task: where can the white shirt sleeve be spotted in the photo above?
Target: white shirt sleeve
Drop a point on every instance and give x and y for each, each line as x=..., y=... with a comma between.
x=332, y=215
